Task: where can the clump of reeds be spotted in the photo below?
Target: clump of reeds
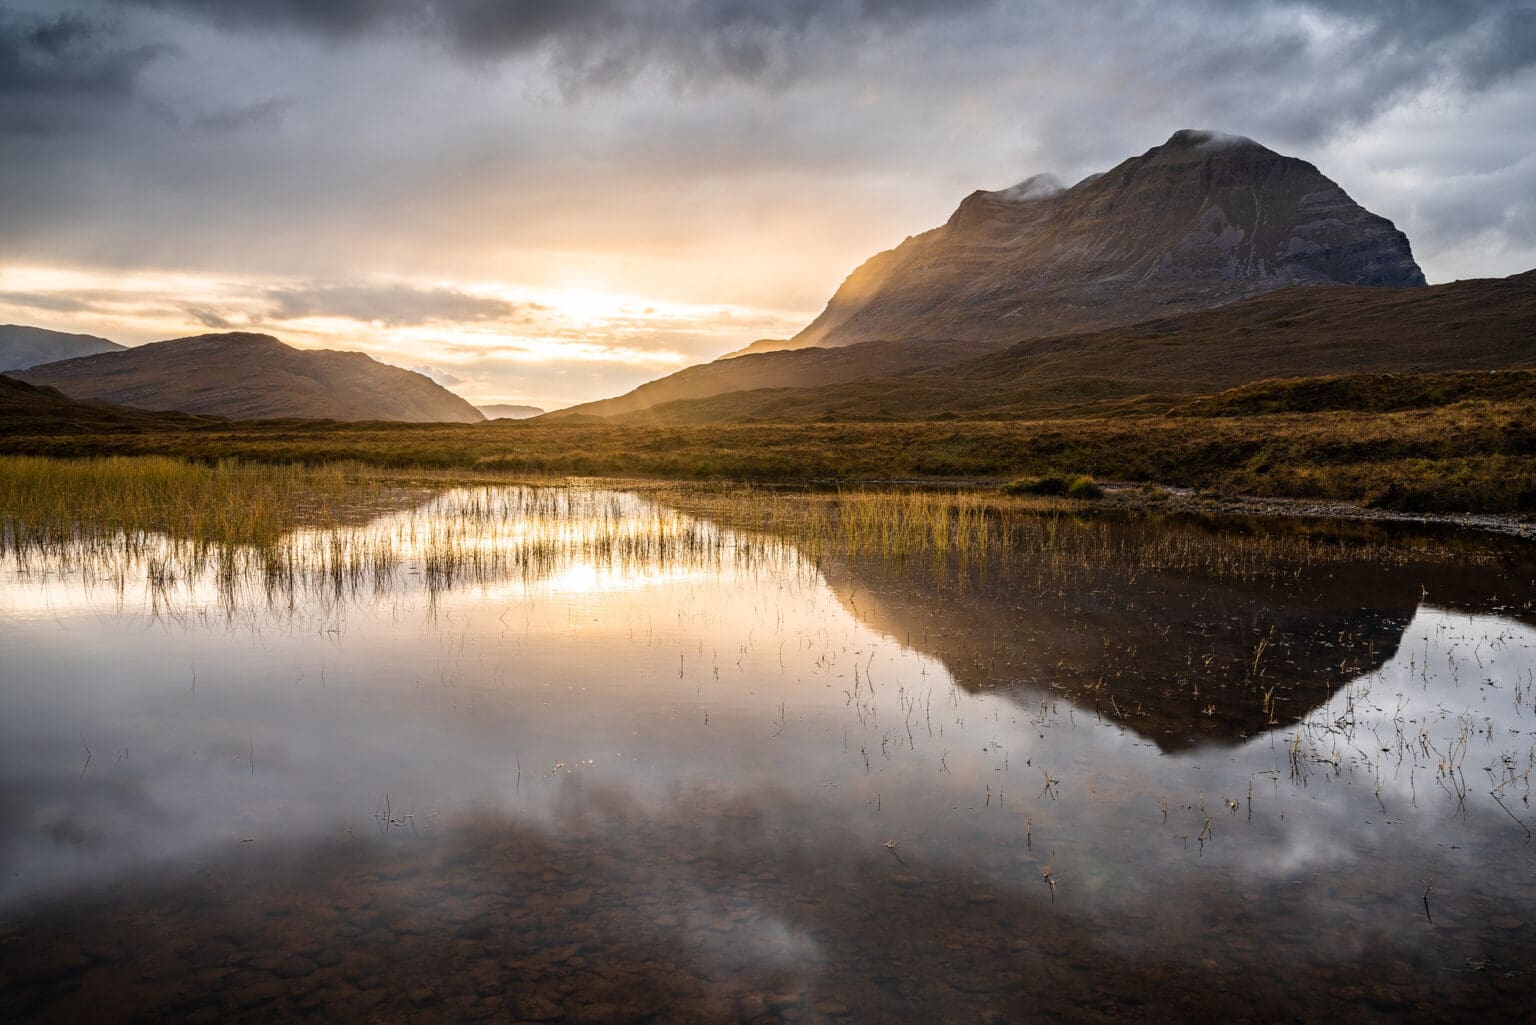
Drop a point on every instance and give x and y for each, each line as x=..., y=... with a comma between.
x=342, y=528
x=49, y=500
x=1074, y=486
x=267, y=536
x=1047, y=536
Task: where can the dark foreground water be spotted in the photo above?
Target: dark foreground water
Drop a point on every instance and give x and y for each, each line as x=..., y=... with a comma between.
x=577, y=758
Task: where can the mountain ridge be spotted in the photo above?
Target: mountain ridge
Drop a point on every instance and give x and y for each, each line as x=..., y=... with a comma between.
x=23, y=346
x=1199, y=222
x=1480, y=324
x=25, y=408
x=249, y=376
x=1217, y=218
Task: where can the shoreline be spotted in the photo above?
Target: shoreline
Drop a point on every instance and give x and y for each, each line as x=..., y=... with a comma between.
x=1151, y=497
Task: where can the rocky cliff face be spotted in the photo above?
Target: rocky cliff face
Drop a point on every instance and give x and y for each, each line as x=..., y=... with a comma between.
x=253, y=376
x=1198, y=222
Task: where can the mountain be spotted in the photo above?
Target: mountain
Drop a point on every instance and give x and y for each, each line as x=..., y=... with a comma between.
x=1477, y=325
x=1090, y=641
x=253, y=376
x=29, y=409
x=22, y=346
x=22, y=405
x=1202, y=221
x=504, y=411
x=1198, y=222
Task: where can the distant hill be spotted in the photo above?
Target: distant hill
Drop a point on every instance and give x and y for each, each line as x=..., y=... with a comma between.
x=253, y=376
x=504, y=411
x=29, y=409
x=1484, y=324
x=22, y=346
x=1200, y=222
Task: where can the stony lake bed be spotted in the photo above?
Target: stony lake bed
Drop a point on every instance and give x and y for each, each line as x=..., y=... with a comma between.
x=569, y=753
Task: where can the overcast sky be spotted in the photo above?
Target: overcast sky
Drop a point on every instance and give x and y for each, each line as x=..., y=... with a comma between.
x=551, y=202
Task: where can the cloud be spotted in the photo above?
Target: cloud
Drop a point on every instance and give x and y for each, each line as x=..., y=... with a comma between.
x=594, y=41
x=607, y=42
x=208, y=317
x=64, y=74
x=51, y=302
x=1478, y=41
x=390, y=305
x=443, y=377
x=332, y=19
x=260, y=114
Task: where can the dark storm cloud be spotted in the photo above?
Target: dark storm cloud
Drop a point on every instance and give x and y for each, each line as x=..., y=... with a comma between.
x=395, y=306
x=61, y=74
x=262, y=113
x=594, y=41
x=1294, y=72
x=1489, y=39
x=1302, y=70
x=1473, y=44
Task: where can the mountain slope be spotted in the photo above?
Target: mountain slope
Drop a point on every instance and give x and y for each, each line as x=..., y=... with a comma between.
x=779, y=370
x=252, y=376
x=1198, y=222
x=22, y=346
x=1486, y=324
x=29, y=409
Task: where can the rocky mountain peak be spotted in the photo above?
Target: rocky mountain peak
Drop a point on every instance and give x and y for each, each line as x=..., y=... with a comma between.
x=1203, y=220
x=1201, y=141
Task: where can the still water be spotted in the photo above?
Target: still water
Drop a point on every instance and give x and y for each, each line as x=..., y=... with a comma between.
x=581, y=756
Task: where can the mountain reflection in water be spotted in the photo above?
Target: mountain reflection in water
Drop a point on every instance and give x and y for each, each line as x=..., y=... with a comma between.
x=547, y=755
x=1185, y=656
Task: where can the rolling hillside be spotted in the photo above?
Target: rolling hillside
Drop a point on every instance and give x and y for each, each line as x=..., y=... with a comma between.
x=1484, y=324
x=29, y=409
x=252, y=376
x=776, y=370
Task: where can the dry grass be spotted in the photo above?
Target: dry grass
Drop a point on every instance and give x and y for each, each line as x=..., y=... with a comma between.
x=266, y=535
x=1467, y=457
x=223, y=503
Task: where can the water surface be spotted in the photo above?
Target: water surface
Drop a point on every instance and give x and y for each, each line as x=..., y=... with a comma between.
x=574, y=755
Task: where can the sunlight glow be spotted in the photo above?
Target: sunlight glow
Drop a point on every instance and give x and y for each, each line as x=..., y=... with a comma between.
x=482, y=339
